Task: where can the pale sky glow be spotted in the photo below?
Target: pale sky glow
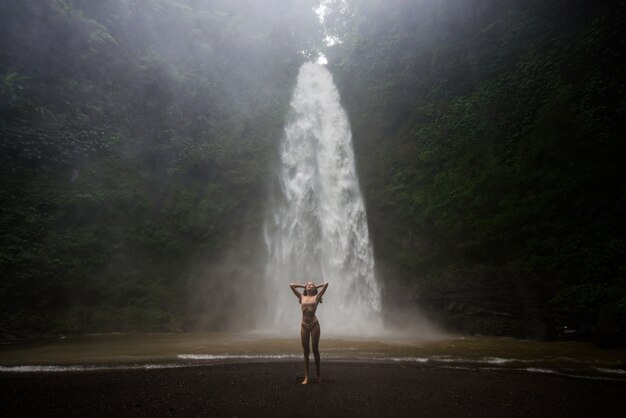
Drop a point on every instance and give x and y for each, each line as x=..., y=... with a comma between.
x=321, y=11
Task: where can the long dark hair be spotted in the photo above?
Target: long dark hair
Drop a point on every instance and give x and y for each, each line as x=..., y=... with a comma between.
x=305, y=293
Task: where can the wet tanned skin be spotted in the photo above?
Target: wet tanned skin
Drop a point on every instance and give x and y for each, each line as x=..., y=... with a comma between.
x=309, y=304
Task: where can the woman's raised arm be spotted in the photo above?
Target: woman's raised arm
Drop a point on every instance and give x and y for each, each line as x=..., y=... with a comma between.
x=293, y=287
x=324, y=286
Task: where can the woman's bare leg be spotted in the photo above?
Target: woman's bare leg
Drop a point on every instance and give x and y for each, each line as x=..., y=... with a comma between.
x=304, y=335
x=315, y=332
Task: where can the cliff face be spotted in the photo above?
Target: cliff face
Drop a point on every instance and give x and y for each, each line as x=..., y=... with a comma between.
x=488, y=147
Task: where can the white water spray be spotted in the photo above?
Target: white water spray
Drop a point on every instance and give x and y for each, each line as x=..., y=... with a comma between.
x=316, y=227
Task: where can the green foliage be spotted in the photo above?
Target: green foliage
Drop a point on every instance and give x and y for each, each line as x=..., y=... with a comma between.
x=489, y=138
x=134, y=140
x=136, y=137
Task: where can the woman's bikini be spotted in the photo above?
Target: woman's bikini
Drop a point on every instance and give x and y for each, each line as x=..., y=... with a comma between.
x=310, y=325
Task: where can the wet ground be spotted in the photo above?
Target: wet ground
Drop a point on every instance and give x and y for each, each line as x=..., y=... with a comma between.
x=167, y=350
x=219, y=374
x=387, y=389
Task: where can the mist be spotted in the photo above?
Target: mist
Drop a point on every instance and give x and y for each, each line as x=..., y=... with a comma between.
x=449, y=173
x=153, y=127
x=143, y=167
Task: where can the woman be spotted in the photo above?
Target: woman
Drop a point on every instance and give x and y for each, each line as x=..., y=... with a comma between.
x=310, y=326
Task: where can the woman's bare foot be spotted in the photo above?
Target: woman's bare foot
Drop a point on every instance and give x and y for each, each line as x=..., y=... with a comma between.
x=305, y=381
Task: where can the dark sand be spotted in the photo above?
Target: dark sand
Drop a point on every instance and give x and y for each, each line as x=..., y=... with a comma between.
x=273, y=389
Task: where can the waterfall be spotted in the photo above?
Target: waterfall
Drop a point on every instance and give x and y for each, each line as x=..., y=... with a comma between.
x=316, y=227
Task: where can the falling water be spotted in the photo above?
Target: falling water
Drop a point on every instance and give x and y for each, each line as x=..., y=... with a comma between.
x=316, y=227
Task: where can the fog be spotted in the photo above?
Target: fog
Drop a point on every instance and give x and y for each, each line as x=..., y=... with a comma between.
x=155, y=128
